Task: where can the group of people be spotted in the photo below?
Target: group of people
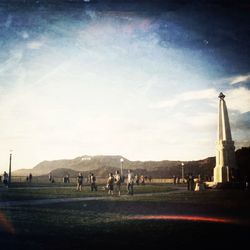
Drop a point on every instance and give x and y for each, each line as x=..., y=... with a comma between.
x=116, y=180
x=141, y=179
x=91, y=180
x=193, y=184
x=176, y=179
x=29, y=178
x=66, y=179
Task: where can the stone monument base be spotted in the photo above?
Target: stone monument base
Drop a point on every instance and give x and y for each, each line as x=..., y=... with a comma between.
x=221, y=174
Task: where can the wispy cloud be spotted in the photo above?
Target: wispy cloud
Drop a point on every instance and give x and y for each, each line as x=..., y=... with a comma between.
x=36, y=44
x=15, y=57
x=238, y=99
x=239, y=79
x=206, y=94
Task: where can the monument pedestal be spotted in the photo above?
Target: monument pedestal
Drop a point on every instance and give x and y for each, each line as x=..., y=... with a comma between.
x=221, y=174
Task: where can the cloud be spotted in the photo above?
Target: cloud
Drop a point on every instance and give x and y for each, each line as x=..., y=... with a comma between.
x=206, y=94
x=36, y=44
x=14, y=59
x=238, y=99
x=241, y=121
x=239, y=79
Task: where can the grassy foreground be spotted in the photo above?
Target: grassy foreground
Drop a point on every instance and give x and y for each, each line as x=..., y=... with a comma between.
x=52, y=192
x=99, y=224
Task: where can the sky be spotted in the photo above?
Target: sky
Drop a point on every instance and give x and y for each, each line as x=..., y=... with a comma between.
x=139, y=79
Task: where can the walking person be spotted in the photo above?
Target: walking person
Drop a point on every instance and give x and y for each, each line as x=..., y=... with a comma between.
x=190, y=182
x=50, y=177
x=30, y=178
x=118, y=182
x=142, y=180
x=79, y=182
x=110, y=184
x=137, y=179
x=5, y=179
x=130, y=183
x=93, y=182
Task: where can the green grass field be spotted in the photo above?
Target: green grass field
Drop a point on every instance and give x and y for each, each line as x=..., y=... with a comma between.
x=45, y=192
x=95, y=224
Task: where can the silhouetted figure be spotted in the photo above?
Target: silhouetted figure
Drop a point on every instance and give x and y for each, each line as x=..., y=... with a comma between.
x=190, y=182
x=174, y=179
x=110, y=184
x=130, y=182
x=79, y=182
x=178, y=179
x=199, y=185
x=30, y=178
x=137, y=179
x=142, y=180
x=118, y=182
x=50, y=177
x=5, y=178
x=93, y=185
x=89, y=177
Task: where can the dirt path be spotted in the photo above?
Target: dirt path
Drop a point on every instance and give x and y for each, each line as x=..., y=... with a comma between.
x=93, y=198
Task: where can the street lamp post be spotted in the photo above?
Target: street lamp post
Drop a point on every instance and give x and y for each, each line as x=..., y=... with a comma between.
x=9, y=181
x=121, y=160
x=182, y=172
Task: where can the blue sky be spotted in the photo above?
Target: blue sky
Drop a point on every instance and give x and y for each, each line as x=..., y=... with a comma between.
x=90, y=79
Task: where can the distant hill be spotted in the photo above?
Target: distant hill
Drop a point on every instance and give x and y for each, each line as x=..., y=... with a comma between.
x=101, y=165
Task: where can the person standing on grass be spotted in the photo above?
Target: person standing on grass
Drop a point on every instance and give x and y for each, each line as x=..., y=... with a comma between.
x=174, y=178
x=137, y=179
x=118, y=182
x=79, y=182
x=93, y=182
x=110, y=184
x=5, y=179
x=142, y=180
x=130, y=182
x=30, y=178
x=190, y=182
x=50, y=177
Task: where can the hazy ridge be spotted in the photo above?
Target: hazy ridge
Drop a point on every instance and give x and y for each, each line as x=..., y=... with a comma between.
x=101, y=165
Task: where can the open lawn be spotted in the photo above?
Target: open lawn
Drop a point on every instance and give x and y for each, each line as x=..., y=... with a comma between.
x=115, y=221
x=45, y=192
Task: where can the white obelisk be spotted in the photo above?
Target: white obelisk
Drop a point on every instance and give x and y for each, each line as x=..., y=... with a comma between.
x=225, y=155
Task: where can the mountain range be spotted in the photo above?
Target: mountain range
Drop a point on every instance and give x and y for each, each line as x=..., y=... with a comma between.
x=101, y=165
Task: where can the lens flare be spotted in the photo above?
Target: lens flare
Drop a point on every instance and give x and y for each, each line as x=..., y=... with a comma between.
x=5, y=224
x=183, y=217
